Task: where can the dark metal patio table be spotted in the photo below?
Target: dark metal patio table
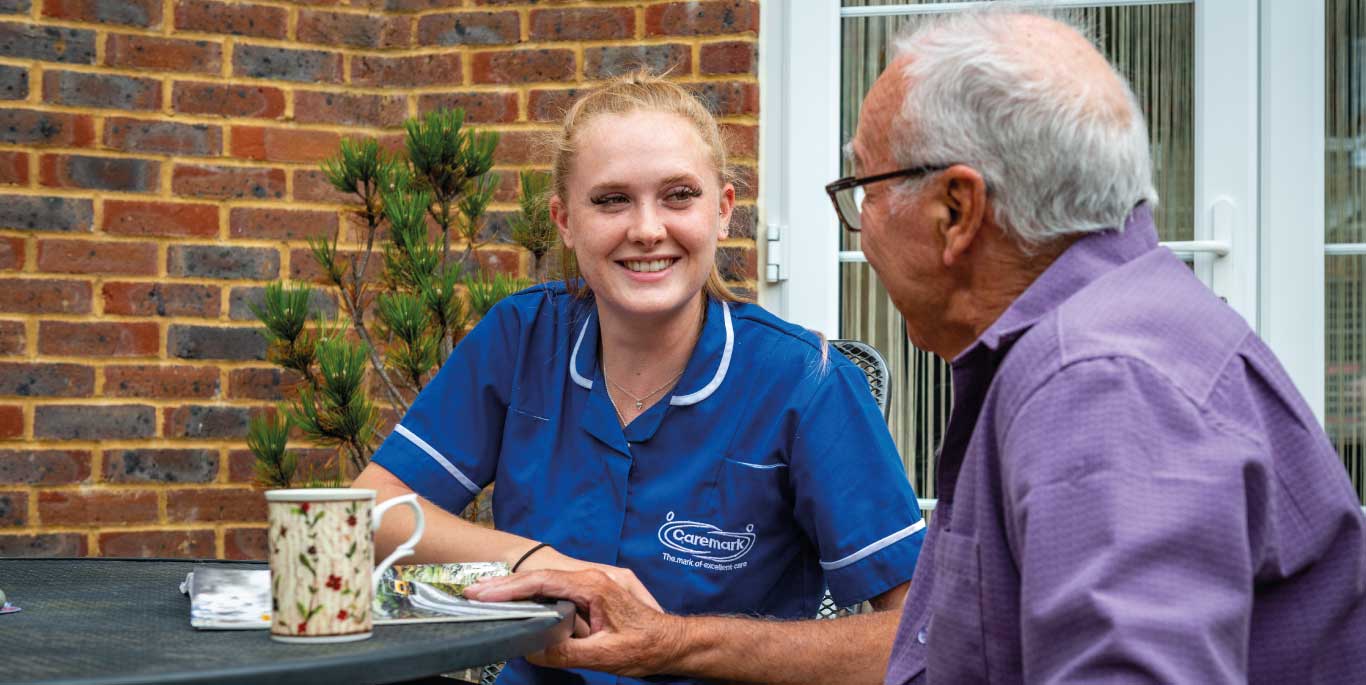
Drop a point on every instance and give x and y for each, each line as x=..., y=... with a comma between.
x=115, y=621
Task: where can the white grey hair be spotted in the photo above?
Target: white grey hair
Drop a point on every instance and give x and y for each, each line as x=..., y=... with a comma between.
x=1055, y=158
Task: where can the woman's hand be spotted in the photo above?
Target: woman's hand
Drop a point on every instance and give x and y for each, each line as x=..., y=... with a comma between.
x=548, y=559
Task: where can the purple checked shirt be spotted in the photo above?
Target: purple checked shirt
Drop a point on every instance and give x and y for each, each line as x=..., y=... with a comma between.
x=1132, y=490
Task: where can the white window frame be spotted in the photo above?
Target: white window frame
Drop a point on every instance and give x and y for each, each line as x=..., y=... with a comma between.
x=1259, y=165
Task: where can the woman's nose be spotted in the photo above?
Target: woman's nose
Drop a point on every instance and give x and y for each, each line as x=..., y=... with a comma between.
x=647, y=229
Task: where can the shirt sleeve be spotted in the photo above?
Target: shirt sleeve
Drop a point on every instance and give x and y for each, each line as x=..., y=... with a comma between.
x=446, y=447
x=851, y=492
x=1127, y=510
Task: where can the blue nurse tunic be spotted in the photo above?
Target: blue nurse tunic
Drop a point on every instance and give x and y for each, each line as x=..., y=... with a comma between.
x=766, y=477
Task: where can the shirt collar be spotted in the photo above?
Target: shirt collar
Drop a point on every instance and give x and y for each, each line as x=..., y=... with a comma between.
x=706, y=369
x=1086, y=260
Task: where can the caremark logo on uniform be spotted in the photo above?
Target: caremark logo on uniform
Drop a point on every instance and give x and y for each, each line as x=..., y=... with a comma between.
x=708, y=546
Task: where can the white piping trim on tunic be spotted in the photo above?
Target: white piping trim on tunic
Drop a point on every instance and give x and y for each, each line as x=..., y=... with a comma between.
x=709, y=388
x=875, y=547
x=444, y=462
x=574, y=358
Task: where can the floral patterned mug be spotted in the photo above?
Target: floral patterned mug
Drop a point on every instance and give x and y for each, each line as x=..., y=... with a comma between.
x=322, y=549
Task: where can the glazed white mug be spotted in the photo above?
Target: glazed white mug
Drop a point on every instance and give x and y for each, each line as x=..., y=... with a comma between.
x=322, y=572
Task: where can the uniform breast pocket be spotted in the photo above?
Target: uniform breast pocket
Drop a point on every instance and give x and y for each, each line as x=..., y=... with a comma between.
x=956, y=636
x=754, y=493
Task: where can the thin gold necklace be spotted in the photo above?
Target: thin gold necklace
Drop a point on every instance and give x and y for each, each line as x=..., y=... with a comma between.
x=640, y=401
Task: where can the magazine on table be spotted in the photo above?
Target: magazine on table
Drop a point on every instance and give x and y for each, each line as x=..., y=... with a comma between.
x=234, y=598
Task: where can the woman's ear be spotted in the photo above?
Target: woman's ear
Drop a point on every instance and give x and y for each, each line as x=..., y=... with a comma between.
x=727, y=207
x=560, y=215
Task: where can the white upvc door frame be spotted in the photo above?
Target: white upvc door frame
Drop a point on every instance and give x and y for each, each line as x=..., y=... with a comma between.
x=1259, y=217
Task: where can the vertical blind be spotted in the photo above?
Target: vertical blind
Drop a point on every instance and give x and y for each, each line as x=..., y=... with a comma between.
x=1153, y=47
x=1345, y=238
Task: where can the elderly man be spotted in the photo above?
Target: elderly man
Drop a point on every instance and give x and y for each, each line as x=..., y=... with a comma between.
x=1131, y=488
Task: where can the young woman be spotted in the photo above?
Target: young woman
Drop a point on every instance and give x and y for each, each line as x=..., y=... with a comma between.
x=640, y=419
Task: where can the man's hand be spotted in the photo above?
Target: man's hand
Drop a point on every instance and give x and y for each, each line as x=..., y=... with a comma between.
x=626, y=637
x=550, y=559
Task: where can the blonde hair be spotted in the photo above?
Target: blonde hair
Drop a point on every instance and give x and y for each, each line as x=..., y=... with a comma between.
x=640, y=91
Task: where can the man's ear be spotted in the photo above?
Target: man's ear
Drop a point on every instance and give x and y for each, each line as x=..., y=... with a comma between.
x=560, y=215
x=965, y=197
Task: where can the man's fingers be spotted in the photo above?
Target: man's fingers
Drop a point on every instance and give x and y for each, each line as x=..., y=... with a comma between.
x=578, y=587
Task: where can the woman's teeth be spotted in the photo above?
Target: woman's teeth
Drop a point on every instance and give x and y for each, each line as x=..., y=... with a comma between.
x=648, y=266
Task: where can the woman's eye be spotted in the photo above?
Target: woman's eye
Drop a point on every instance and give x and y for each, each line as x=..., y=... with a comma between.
x=682, y=194
x=610, y=199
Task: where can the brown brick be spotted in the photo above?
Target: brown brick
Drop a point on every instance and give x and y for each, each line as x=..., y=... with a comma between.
x=161, y=466
x=11, y=426
x=11, y=253
x=281, y=224
x=737, y=263
x=522, y=147
x=303, y=267
x=551, y=104
x=480, y=107
x=161, y=381
x=227, y=182
x=728, y=98
x=161, y=299
x=93, y=422
x=13, y=339
x=13, y=83
x=36, y=379
x=163, y=54
x=78, y=89
x=128, y=12
x=304, y=66
x=242, y=543
x=44, y=467
x=260, y=383
x=14, y=168
x=43, y=545
x=212, y=342
x=205, y=421
x=243, y=298
x=731, y=57
x=405, y=72
x=523, y=66
x=15, y=7
x=32, y=296
x=283, y=145
x=612, y=61
x=225, y=100
x=179, y=544
x=746, y=180
x=469, y=28
x=349, y=109
x=218, y=261
x=164, y=137
x=235, y=18
x=310, y=185
x=93, y=507
x=743, y=222
x=598, y=23
x=58, y=214
x=48, y=43
x=741, y=140
x=319, y=462
x=152, y=218
x=26, y=127
x=509, y=186
x=215, y=504
x=97, y=257
x=98, y=339
x=99, y=173
x=491, y=261
x=702, y=18
x=13, y=509
x=367, y=30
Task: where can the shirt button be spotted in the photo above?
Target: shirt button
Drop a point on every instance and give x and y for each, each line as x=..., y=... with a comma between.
x=923, y=636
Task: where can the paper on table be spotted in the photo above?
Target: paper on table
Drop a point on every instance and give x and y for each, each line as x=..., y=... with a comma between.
x=239, y=599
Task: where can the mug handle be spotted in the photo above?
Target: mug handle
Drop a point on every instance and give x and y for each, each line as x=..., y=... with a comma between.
x=403, y=550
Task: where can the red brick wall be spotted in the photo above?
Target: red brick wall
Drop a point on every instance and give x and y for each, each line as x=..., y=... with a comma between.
x=158, y=166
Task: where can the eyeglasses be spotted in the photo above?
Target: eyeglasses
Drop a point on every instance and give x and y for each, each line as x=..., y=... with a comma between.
x=847, y=193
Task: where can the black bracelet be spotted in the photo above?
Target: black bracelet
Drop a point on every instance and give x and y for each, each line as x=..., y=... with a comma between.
x=528, y=553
